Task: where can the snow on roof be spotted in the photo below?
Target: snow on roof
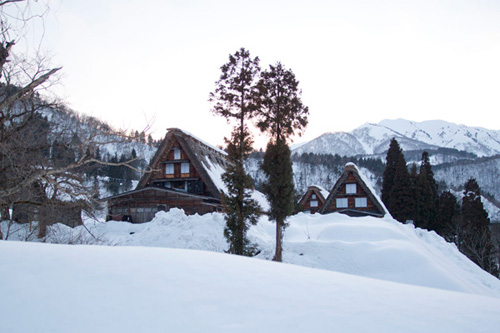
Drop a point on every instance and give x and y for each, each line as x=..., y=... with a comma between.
x=368, y=184
x=215, y=172
x=200, y=140
x=321, y=189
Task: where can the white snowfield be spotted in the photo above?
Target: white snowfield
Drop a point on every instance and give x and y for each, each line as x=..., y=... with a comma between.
x=376, y=275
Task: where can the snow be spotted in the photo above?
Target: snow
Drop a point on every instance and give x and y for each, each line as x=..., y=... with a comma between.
x=370, y=186
x=220, y=151
x=370, y=247
x=374, y=138
x=323, y=191
x=61, y=288
x=341, y=274
x=215, y=172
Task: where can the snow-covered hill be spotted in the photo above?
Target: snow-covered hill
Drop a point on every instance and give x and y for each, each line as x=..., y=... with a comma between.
x=376, y=275
x=371, y=247
x=62, y=288
x=371, y=139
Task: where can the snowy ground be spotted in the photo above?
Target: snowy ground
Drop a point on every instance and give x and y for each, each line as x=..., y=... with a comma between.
x=375, y=275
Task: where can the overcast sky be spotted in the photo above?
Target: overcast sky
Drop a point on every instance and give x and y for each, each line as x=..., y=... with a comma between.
x=130, y=62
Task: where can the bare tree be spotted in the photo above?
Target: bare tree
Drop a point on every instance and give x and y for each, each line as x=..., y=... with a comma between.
x=42, y=157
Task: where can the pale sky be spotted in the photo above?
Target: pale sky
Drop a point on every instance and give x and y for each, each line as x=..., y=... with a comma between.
x=129, y=61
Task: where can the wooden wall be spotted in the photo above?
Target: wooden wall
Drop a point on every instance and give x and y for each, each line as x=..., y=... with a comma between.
x=142, y=206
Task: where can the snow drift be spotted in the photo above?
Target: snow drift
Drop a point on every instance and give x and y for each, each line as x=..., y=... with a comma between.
x=371, y=247
x=83, y=288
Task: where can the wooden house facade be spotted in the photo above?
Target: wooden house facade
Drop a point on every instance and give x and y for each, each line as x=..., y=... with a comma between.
x=313, y=200
x=353, y=196
x=186, y=174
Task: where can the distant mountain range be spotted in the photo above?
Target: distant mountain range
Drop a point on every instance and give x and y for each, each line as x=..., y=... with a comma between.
x=374, y=139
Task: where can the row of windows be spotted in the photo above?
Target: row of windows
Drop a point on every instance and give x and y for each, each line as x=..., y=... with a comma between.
x=358, y=202
x=181, y=186
x=343, y=203
x=170, y=170
x=127, y=210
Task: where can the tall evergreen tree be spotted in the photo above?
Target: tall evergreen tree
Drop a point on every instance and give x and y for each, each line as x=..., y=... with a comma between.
x=236, y=99
x=240, y=209
x=425, y=196
x=475, y=241
x=279, y=188
x=396, y=184
x=393, y=155
x=423, y=203
x=426, y=170
x=282, y=115
x=447, y=216
x=431, y=191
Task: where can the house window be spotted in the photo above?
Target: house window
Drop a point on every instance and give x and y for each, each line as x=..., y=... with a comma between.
x=177, y=154
x=313, y=203
x=180, y=186
x=169, y=170
x=341, y=203
x=360, y=202
x=313, y=196
x=350, y=188
x=184, y=169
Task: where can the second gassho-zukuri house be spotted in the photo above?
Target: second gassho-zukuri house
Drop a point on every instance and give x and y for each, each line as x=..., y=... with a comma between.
x=352, y=195
x=313, y=200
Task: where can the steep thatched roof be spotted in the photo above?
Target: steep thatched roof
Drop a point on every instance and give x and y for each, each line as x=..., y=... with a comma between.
x=365, y=185
x=319, y=190
x=209, y=161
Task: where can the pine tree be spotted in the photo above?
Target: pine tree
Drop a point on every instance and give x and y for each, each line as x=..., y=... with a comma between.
x=431, y=192
x=396, y=184
x=423, y=203
x=475, y=241
x=279, y=188
x=447, y=216
x=393, y=155
x=240, y=209
x=283, y=115
x=425, y=196
x=236, y=99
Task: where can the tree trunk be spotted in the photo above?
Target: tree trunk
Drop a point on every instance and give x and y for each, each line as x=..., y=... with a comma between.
x=278, y=255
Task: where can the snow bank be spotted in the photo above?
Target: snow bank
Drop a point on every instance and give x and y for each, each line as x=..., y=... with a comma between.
x=379, y=248
x=171, y=229
x=62, y=288
x=376, y=248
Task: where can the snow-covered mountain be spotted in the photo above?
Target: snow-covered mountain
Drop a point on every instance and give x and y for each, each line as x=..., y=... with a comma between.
x=370, y=139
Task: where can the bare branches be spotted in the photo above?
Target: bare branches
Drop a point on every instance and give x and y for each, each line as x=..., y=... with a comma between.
x=5, y=2
x=27, y=90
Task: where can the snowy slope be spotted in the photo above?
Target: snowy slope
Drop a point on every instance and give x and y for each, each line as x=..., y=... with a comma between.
x=369, y=247
x=62, y=288
x=374, y=138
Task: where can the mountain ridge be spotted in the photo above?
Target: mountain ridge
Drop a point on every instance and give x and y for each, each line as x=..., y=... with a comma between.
x=374, y=138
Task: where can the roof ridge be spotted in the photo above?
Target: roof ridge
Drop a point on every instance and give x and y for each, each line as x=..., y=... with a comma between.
x=204, y=143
